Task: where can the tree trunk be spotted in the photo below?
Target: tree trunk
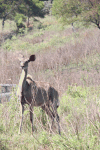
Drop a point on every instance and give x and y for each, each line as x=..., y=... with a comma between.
x=3, y=22
x=28, y=21
x=51, y=1
x=98, y=25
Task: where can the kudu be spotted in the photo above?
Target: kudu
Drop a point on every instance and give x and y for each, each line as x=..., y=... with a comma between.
x=36, y=93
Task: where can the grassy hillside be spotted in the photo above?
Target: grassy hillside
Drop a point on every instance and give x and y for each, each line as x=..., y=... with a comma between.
x=70, y=62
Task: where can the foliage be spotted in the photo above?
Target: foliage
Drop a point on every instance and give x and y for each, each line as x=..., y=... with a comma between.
x=71, y=11
x=19, y=18
x=66, y=9
x=7, y=9
x=91, y=12
x=78, y=120
x=29, y=8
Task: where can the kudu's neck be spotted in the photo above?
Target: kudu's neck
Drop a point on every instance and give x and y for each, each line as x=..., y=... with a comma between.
x=23, y=78
x=22, y=81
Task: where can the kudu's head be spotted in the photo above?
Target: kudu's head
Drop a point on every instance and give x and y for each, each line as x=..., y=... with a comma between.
x=24, y=62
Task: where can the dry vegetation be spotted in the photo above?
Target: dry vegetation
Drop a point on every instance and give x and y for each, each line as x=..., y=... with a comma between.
x=71, y=62
x=74, y=62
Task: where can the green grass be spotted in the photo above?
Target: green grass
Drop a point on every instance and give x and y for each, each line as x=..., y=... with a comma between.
x=78, y=120
x=17, y=43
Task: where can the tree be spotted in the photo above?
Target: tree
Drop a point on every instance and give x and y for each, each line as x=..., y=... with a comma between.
x=6, y=8
x=91, y=12
x=66, y=9
x=70, y=11
x=9, y=9
x=31, y=8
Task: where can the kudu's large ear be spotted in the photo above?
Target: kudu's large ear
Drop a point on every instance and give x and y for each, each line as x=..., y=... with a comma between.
x=32, y=58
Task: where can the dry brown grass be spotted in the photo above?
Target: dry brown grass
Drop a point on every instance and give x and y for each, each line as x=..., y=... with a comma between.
x=72, y=63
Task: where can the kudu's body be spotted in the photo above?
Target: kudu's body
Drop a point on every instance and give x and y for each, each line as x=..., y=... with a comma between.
x=35, y=93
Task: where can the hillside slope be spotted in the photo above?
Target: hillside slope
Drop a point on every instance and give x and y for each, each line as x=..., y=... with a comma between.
x=70, y=61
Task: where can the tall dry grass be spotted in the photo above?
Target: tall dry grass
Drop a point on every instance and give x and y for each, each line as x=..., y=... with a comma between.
x=76, y=62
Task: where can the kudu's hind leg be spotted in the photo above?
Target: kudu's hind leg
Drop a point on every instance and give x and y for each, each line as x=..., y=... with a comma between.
x=49, y=113
x=54, y=109
x=57, y=119
x=31, y=118
x=21, y=120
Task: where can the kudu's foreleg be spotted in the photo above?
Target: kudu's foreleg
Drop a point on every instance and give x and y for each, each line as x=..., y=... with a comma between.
x=31, y=118
x=21, y=120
